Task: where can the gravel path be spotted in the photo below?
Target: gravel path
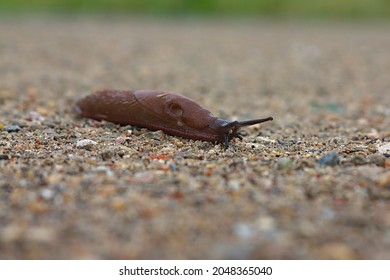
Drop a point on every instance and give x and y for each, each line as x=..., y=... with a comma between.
x=312, y=184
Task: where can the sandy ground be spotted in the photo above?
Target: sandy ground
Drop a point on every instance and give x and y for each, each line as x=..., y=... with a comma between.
x=312, y=184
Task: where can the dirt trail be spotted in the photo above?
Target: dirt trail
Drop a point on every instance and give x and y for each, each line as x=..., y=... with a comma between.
x=312, y=184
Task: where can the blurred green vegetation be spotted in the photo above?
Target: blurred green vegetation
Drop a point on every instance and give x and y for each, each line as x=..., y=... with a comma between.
x=280, y=8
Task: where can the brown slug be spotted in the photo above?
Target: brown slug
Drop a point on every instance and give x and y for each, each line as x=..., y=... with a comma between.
x=160, y=110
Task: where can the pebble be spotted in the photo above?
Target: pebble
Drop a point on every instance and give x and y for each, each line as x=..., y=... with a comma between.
x=285, y=163
x=118, y=204
x=384, y=149
x=266, y=223
x=107, y=154
x=18, y=123
x=329, y=159
x=47, y=194
x=378, y=160
x=359, y=160
x=173, y=167
x=12, y=128
x=85, y=144
x=234, y=185
x=104, y=169
x=4, y=157
x=120, y=140
x=244, y=231
x=35, y=116
x=155, y=135
x=252, y=145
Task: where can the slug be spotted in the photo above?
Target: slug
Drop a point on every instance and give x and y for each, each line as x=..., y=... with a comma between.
x=160, y=110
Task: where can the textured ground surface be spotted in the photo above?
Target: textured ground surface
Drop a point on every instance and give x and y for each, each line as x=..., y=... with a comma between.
x=312, y=184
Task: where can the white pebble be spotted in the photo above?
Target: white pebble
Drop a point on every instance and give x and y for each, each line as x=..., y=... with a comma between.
x=35, y=116
x=244, y=231
x=234, y=185
x=104, y=169
x=47, y=194
x=85, y=144
x=384, y=149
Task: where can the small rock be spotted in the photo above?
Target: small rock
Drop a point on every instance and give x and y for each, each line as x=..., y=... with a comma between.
x=252, y=145
x=107, y=154
x=47, y=194
x=378, y=160
x=85, y=144
x=384, y=149
x=266, y=223
x=12, y=128
x=35, y=116
x=264, y=139
x=104, y=169
x=234, y=185
x=118, y=204
x=42, y=111
x=18, y=123
x=285, y=163
x=49, y=124
x=4, y=157
x=155, y=135
x=359, y=160
x=244, y=231
x=49, y=131
x=374, y=134
x=329, y=159
x=173, y=167
x=120, y=140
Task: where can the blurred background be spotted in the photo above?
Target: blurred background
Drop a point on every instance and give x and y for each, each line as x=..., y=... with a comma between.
x=348, y=9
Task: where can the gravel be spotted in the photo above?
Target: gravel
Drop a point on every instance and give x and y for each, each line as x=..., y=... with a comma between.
x=11, y=128
x=312, y=184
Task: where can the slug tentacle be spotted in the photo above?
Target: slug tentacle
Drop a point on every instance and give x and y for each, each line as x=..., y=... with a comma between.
x=256, y=121
x=161, y=110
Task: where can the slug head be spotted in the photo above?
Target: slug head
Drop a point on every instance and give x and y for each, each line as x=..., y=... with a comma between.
x=229, y=130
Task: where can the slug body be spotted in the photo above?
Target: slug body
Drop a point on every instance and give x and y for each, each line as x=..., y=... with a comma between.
x=160, y=110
